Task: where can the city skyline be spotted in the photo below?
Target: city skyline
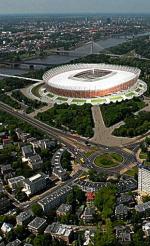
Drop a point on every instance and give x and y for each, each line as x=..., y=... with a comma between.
x=70, y=6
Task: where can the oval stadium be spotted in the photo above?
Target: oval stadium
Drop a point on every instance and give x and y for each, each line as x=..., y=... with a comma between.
x=94, y=83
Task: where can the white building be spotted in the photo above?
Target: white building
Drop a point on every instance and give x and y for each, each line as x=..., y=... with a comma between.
x=144, y=179
x=35, y=183
x=16, y=182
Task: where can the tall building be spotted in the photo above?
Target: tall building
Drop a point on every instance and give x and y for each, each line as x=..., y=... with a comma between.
x=144, y=179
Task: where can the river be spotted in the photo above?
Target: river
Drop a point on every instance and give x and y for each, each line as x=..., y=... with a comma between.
x=61, y=59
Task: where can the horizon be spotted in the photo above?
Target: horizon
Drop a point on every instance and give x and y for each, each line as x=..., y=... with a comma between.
x=74, y=7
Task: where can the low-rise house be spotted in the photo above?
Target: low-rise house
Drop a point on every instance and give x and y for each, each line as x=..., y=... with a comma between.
x=124, y=198
x=123, y=234
x=141, y=208
x=88, y=214
x=80, y=211
x=16, y=242
x=146, y=229
x=88, y=235
x=35, y=162
x=24, y=218
x=6, y=169
x=90, y=197
x=63, y=209
x=60, y=231
x=37, y=225
x=121, y=211
x=126, y=184
x=6, y=141
x=55, y=199
x=35, y=183
x=16, y=182
x=47, y=144
x=6, y=227
x=27, y=152
x=22, y=135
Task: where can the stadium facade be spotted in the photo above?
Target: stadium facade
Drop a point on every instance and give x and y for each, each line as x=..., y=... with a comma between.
x=92, y=83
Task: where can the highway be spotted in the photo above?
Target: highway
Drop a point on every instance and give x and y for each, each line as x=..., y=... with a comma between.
x=65, y=138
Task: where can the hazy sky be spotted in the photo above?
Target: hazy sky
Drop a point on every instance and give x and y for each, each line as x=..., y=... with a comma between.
x=74, y=6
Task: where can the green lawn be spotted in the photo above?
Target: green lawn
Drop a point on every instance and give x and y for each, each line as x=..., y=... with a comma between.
x=130, y=94
x=108, y=160
x=35, y=90
x=143, y=155
x=132, y=171
x=98, y=100
x=78, y=101
x=116, y=98
x=50, y=95
x=62, y=98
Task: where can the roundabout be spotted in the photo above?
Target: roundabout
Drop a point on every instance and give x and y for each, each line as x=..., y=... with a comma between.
x=108, y=160
x=111, y=160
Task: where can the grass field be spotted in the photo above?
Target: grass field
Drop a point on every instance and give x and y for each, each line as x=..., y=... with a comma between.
x=50, y=95
x=108, y=160
x=132, y=171
x=143, y=156
x=35, y=90
x=62, y=99
x=78, y=101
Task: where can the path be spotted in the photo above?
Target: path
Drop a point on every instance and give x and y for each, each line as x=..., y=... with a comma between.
x=102, y=134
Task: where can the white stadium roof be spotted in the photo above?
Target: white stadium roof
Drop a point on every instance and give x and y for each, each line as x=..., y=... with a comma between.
x=64, y=77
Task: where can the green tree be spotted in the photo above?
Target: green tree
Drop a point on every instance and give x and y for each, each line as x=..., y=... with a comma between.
x=37, y=210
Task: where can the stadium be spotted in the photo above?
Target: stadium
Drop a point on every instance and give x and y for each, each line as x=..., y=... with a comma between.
x=93, y=83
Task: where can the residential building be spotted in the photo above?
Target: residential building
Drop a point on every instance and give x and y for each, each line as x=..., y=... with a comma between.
x=60, y=231
x=35, y=183
x=146, y=228
x=6, y=227
x=126, y=184
x=47, y=144
x=16, y=182
x=88, y=214
x=56, y=163
x=55, y=199
x=123, y=233
x=17, y=242
x=121, y=211
x=27, y=151
x=35, y=162
x=6, y=169
x=37, y=225
x=24, y=218
x=22, y=135
x=90, y=197
x=124, y=198
x=141, y=208
x=143, y=179
x=63, y=209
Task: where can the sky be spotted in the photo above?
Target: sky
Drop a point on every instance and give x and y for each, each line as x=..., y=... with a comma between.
x=74, y=6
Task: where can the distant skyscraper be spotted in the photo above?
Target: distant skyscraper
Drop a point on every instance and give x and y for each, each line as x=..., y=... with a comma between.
x=144, y=179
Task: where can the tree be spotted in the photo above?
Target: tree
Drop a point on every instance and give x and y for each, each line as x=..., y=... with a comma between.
x=37, y=210
x=20, y=232
x=105, y=238
x=42, y=240
x=105, y=200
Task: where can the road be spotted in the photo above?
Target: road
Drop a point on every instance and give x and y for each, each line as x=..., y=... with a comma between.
x=77, y=146
x=66, y=138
